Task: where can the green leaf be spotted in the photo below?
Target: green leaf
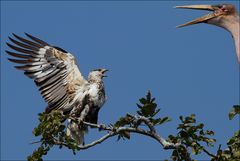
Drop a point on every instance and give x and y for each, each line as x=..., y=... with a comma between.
x=193, y=115
x=184, y=134
x=210, y=132
x=174, y=155
x=153, y=99
x=143, y=101
x=194, y=151
x=155, y=121
x=126, y=134
x=181, y=118
x=156, y=111
x=164, y=120
x=200, y=126
x=148, y=96
x=139, y=106
x=124, y=121
x=231, y=141
x=173, y=139
x=148, y=109
x=123, y=135
x=235, y=110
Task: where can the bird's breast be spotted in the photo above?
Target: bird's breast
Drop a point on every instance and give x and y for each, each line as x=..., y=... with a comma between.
x=97, y=94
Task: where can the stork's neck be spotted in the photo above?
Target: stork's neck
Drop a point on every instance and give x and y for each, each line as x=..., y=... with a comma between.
x=232, y=25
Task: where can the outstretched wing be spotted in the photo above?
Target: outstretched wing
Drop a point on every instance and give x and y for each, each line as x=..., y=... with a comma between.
x=54, y=70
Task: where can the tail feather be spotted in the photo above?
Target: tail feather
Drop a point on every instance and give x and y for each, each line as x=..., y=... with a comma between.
x=76, y=132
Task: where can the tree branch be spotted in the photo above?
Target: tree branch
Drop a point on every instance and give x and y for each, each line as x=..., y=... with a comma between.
x=112, y=131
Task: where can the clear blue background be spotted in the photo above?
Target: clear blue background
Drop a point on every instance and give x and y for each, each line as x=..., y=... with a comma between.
x=189, y=70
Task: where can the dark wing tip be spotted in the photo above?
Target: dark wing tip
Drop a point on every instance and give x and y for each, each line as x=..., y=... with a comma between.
x=9, y=45
x=18, y=61
x=11, y=39
x=16, y=36
x=28, y=42
x=8, y=52
x=27, y=34
x=13, y=60
x=36, y=39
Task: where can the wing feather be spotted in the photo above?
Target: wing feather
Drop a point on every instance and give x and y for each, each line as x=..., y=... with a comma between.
x=37, y=40
x=19, y=55
x=54, y=71
x=20, y=49
x=23, y=45
x=28, y=42
x=20, y=61
x=55, y=76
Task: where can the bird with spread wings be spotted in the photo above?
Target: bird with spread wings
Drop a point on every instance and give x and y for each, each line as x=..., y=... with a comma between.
x=61, y=84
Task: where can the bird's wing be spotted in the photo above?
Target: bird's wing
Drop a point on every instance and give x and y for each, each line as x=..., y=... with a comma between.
x=54, y=70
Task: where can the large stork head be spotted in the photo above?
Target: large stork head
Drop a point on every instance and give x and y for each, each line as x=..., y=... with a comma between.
x=222, y=15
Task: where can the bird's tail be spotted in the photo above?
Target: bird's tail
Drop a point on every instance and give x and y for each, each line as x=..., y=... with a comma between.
x=76, y=131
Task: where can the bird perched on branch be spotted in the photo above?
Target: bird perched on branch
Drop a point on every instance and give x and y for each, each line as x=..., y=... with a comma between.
x=224, y=15
x=61, y=84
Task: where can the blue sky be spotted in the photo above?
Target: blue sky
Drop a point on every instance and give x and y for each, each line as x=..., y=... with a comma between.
x=189, y=70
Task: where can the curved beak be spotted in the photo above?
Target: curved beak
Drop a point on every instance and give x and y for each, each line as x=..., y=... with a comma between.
x=204, y=18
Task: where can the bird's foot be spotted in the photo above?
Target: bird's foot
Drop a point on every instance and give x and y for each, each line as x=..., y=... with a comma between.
x=101, y=127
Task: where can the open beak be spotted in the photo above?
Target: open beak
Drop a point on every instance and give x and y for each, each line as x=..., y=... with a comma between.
x=104, y=71
x=217, y=12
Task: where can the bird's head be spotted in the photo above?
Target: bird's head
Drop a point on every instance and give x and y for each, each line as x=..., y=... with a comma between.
x=97, y=74
x=220, y=16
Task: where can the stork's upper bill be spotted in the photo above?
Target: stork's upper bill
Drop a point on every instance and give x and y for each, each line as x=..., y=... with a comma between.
x=218, y=11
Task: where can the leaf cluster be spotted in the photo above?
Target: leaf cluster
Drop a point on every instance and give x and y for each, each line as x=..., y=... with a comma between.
x=148, y=108
x=128, y=120
x=232, y=153
x=52, y=131
x=235, y=110
x=191, y=135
